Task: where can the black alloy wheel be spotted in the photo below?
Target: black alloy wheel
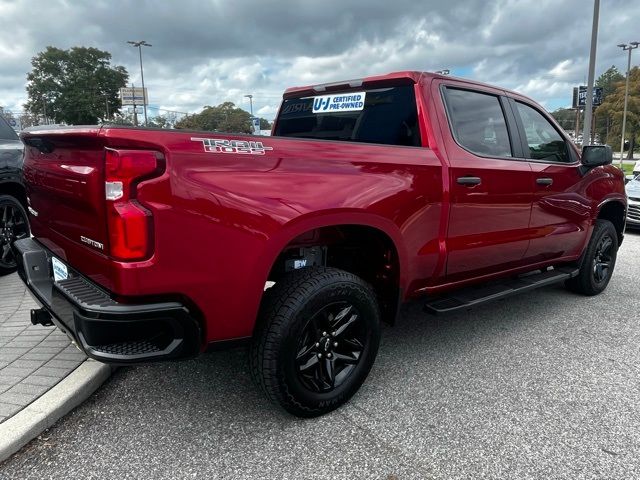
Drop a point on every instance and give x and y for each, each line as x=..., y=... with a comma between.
x=603, y=258
x=316, y=339
x=598, y=260
x=330, y=347
x=13, y=226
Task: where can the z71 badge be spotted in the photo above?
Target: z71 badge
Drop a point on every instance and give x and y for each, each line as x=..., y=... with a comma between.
x=221, y=145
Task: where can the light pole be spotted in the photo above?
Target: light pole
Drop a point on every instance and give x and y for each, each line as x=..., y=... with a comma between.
x=250, y=97
x=624, y=47
x=141, y=44
x=588, y=108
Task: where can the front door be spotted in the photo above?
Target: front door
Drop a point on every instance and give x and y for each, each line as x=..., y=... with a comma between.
x=490, y=185
x=560, y=214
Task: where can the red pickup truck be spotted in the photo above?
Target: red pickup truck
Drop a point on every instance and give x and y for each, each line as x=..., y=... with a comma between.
x=157, y=244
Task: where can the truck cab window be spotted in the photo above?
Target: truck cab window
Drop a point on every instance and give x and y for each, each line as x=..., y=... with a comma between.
x=478, y=123
x=388, y=116
x=545, y=143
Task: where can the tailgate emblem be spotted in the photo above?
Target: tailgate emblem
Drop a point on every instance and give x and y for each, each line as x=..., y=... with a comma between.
x=92, y=243
x=223, y=145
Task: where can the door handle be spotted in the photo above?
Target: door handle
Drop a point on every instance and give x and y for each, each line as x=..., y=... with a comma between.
x=469, y=181
x=544, y=181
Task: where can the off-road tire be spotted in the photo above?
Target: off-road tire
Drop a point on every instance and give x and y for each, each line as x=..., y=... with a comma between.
x=588, y=282
x=288, y=313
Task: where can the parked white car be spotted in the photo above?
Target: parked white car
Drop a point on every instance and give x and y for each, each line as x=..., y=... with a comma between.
x=633, y=207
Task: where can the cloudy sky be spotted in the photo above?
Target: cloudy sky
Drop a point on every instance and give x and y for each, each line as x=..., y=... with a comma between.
x=206, y=52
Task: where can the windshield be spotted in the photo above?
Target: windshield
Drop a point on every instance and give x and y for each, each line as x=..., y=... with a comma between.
x=6, y=132
x=633, y=187
x=383, y=115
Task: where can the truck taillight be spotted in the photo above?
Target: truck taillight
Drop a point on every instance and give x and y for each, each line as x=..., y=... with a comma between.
x=129, y=223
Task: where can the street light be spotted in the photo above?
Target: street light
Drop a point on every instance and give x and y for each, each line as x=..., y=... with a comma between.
x=250, y=97
x=139, y=45
x=624, y=47
x=588, y=107
x=443, y=72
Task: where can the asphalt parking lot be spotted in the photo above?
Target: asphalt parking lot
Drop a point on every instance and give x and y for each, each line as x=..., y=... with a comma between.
x=544, y=385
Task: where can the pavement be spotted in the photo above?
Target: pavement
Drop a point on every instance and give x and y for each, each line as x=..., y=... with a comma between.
x=544, y=385
x=33, y=360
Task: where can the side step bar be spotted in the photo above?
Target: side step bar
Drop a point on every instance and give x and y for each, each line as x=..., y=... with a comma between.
x=472, y=296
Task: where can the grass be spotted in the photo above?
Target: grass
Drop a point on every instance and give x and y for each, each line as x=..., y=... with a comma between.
x=626, y=168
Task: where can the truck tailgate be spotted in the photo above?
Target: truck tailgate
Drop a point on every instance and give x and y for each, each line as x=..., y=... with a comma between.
x=64, y=172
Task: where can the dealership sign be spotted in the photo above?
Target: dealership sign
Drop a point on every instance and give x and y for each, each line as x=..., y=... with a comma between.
x=133, y=96
x=580, y=96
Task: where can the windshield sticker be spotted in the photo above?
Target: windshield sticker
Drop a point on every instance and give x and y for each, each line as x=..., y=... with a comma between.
x=222, y=145
x=351, y=102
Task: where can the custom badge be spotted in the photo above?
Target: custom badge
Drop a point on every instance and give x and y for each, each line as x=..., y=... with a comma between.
x=342, y=102
x=223, y=145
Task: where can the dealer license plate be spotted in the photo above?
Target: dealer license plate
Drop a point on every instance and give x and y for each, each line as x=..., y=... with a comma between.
x=59, y=270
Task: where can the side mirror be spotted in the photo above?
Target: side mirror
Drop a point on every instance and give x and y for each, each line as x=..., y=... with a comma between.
x=596, y=155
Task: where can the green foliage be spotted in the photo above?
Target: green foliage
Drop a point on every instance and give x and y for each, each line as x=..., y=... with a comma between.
x=265, y=124
x=609, y=80
x=73, y=86
x=612, y=107
x=566, y=117
x=225, y=117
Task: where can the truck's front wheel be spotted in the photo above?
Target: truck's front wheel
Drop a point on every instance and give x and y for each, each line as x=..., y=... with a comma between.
x=598, y=261
x=316, y=340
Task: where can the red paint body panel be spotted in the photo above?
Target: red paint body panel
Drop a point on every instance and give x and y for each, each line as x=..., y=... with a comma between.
x=221, y=220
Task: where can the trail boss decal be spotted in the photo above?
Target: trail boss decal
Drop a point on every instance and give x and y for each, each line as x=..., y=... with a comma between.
x=221, y=145
x=342, y=102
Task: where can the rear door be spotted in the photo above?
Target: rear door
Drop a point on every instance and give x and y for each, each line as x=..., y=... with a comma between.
x=490, y=183
x=561, y=213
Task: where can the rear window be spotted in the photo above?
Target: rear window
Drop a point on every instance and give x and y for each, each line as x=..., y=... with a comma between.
x=6, y=132
x=387, y=116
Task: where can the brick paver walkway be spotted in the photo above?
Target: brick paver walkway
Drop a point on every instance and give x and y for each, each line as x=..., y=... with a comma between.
x=32, y=358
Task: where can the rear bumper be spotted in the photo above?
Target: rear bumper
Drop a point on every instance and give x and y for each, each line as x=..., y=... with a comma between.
x=104, y=329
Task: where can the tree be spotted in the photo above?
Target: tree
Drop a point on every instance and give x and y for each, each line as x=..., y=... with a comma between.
x=566, y=117
x=265, y=124
x=613, y=107
x=225, y=117
x=609, y=80
x=74, y=86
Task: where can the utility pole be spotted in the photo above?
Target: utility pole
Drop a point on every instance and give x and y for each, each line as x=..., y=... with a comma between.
x=44, y=112
x=624, y=47
x=250, y=97
x=106, y=105
x=141, y=44
x=135, y=112
x=588, y=108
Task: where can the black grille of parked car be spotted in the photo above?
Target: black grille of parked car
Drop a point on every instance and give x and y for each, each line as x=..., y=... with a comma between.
x=634, y=213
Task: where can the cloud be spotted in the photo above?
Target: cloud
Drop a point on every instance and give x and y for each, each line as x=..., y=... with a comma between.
x=207, y=52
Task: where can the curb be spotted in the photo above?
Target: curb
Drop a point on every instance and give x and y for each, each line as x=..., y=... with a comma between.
x=46, y=410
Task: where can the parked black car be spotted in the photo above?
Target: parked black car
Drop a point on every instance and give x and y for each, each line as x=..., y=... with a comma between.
x=14, y=222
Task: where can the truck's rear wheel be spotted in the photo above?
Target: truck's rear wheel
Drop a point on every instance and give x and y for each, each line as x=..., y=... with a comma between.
x=598, y=261
x=316, y=340
x=13, y=226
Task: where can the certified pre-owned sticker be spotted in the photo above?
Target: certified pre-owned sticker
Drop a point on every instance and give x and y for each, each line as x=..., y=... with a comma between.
x=341, y=102
x=223, y=145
